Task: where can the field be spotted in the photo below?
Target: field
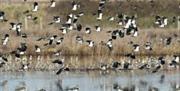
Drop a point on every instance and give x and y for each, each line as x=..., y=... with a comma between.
x=145, y=20
x=42, y=57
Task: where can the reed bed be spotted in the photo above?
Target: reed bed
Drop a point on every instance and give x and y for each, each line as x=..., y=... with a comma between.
x=75, y=63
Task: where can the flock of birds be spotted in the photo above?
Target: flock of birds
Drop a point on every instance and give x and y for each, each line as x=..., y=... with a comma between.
x=129, y=28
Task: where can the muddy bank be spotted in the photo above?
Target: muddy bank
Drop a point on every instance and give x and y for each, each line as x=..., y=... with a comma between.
x=75, y=63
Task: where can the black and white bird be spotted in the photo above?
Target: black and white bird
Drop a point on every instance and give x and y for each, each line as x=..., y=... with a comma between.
x=2, y=16
x=70, y=27
x=109, y=44
x=51, y=39
x=37, y=49
x=98, y=28
x=114, y=34
x=35, y=7
x=101, y=4
x=18, y=29
x=121, y=19
x=64, y=30
x=174, y=19
x=70, y=19
x=133, y=21
x=129, y=31
x=100, y=15
x=148, y=46
x=13, y=26
x=24, y=35
x=5, y=39
x=59, y=61
x=52, y=3
x=88, y=30
x=161, y=60
x=25, y=66
x=175, y=62
x=31, y=17
x=116, y=65
x=22, y=49
x=80, y=14
x=103, y=67
x=75, y=6
x=79, y=40
x=3, y=60
x=130, y=22
x=126, y=66
x=75, y=19
x=131, y=55
x=157, y=68
x=158, y=20
x=79, y=27
x=143, y=66
x=136, y=47
x=62, y=68
x=56, y=20
x=57, y=53
x=90, y=43
x=135, y=32
x=164, y=22
x=59, y=41
x=168, y=40
x=121, y=33
x=161, y=21
x=176, y=58
x=132, y=31
x=111, y=19
x=59, y=71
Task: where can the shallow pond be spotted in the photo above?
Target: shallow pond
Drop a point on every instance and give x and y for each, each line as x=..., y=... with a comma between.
x=87, y=81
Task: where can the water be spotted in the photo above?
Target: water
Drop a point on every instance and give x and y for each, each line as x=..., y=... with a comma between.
x=87, y=81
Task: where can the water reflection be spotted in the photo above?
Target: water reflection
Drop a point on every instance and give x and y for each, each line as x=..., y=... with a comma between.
x=89, y=81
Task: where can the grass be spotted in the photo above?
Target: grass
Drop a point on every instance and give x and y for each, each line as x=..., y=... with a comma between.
x=121, y=46
x=145, y=19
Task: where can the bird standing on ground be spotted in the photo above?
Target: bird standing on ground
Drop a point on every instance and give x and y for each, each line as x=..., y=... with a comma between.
x=35, y=7
x=52, y=3
x=5, y=39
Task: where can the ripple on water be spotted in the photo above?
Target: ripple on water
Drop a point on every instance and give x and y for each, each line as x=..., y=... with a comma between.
x=87, y=81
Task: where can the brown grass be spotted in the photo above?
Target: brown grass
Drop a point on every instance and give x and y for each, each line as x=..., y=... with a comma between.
x=69, y=47
x=121, y=46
